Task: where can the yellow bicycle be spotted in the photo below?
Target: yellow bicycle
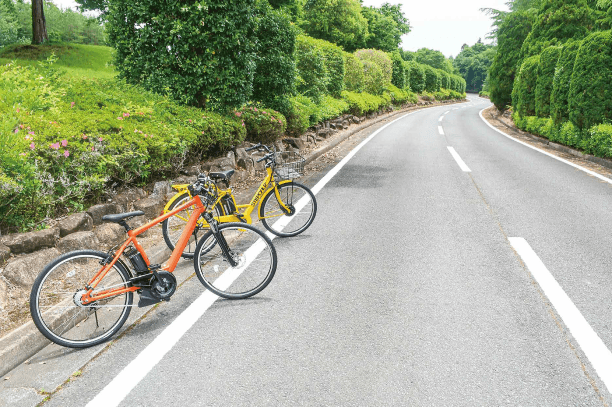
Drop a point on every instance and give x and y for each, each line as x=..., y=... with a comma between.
x=276, y=196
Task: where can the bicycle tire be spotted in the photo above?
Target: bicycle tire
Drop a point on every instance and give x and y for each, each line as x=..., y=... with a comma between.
x=249, y=246
x=172, y=228
x=53, y=298
x=291, y=193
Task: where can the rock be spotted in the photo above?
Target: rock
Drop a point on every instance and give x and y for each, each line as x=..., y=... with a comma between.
x=124, y=201
x=31, y=241
x=192, y=171
x=218, y=164
x=162, y=188
x=232, y=157
x=295, y=142
x=279, y=145
x=97, y=211
x=5, y=253
x=139, y=221
x=110, y=234
x=325, y=133
x=3, y=298
x=345, y=124
x=23, y=270
x=240, y=176
x=78, y=241
x=244, y=160
x=75, y=223
x=151, y=206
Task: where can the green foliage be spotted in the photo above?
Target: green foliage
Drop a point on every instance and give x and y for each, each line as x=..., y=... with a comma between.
x=400, y=96
x=8, y=24
x=510, y=36
x=336, y=21
x=320, y=67
x=263, y=125
x=363, y=103
x=417, y=76
x=599, y=141
x=434, y=59
x=473, y=63
x=557, y=22
x=274, y=77
x=63, y=139
x=334, y=66
x=544, y=83
x=561, y=82
x=199, y=53
x=386, y=25
x=432, y=79
x=590, y=94
x=298, y=115
x=523, y=92
x=378, y=69
x=354, y=77
x=398, y=77
x=444, y=79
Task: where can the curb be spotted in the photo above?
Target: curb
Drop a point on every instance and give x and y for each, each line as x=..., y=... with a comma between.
x=604, y=162
x=25, y=341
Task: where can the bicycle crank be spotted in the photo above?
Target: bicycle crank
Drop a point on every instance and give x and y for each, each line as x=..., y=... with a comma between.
x=161, y=289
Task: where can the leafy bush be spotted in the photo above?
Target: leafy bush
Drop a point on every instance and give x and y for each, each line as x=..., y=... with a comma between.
x=312, y=73
x=362, y=103
x=334, y=64
x=523, y=93
x=599, y=140
x=62, y=140
x=544, y=83
x=569, y=135
x=400, y=96
x=299, y=113
x=375, y=79
x=561, y=82
x=263, y=125
x=200, y=54
x=417, y=76
x=398, y=77
x=274, y=76
x=330, y=108
x=432, y=79
x=590, y=94
x=354, y=77
x=444, y=79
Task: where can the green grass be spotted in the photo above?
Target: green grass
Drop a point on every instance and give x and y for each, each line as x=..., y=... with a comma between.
x=79, y=61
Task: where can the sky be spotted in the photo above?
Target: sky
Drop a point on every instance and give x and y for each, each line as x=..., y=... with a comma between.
x=442, y=25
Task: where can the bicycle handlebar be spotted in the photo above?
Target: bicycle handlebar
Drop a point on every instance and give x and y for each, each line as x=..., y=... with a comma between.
x=259, y=146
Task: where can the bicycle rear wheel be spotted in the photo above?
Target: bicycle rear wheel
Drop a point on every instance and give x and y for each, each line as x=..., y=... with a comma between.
x=249, y=247
x=55, y=300
x=172, y=228
x=296, y=197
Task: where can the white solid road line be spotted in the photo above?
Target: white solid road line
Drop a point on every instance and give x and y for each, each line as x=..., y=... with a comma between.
x=601, y=177
x=137, y=369
x=462, y=165
x=441, y=117
x=588, y=340
x=440, y=130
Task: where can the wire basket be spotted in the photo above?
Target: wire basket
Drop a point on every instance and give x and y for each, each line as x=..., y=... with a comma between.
x=289, y=165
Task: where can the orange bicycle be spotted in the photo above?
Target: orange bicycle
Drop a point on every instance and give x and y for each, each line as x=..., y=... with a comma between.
x=82, y=298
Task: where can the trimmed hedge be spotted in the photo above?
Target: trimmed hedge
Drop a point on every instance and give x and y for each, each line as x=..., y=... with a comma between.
x=561, y=82
x=590, y=94
x=263, y=125
x=544, y=83
x=523, y=93
x=378, y=69
x=432, y=79
x=398, y=77
x=311, y=70
x=354, y=77
x=416, y=76
x=334, y=66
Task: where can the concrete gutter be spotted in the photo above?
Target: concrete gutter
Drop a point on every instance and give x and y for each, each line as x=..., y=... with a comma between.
x=26, y=341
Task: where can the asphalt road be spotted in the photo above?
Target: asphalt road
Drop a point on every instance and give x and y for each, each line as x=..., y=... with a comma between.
x=409, y=289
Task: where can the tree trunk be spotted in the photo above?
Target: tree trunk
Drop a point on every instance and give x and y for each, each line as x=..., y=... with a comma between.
x=39, y=26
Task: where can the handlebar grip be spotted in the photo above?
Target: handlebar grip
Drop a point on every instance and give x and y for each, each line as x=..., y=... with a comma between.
x=261, y=159
x=256, y=146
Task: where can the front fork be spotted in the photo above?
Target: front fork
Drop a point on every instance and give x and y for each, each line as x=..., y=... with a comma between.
x=214, y=228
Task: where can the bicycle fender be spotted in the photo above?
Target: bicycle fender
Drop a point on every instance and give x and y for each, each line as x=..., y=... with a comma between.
x=174, y=198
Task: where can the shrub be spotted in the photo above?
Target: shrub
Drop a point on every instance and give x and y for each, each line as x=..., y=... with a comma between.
x=561, y=82
x=274, y=76
x=400, y=96
x=354, y=77
x=330, y=108
x=63, y=140
x=263, y=125
x=398, y=77
x=200, y=54
x=417, y=76
x=569, y=135
x=544, y=83
x=444, y=79
x=334, y=64
x=299, y=113
x=523, y=93
x=375, y=79
x=362, y=103
x=432, y=79
x=599, y=140
x=590, y=95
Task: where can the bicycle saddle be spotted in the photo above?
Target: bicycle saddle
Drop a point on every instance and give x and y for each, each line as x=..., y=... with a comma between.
x=119, y=217
x=223, y=175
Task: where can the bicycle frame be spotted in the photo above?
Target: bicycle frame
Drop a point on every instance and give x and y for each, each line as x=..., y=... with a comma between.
x=246, y=209
x=170, y=265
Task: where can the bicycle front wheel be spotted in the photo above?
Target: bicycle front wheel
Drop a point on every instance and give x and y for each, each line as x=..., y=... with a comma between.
x=55, y=300
x=301, y=203
x=172, y=228
x=252, y=253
